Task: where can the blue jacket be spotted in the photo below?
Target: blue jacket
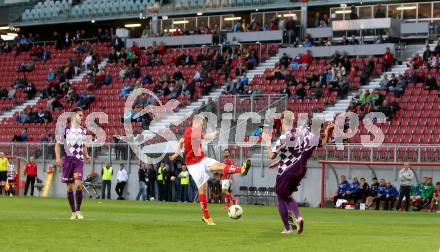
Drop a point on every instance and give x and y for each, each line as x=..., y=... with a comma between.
x=381, y=190
x=391, y=192
x=343, y=187
x=354, y=187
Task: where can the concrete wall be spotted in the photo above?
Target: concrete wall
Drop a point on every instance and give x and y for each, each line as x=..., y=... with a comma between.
x=173, y=41
x=255, y=36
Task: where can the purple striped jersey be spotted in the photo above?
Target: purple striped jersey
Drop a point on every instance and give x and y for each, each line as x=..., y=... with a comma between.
x=74, y=142
x=294, y=148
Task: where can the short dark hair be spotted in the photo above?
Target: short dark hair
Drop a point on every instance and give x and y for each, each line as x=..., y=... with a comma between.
x=438, y=183
x=76, y=110
x=374, y=178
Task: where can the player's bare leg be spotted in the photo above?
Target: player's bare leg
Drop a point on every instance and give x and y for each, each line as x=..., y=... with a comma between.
x=204, y=205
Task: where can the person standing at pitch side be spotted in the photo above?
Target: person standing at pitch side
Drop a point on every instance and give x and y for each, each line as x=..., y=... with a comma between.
x=406, y=178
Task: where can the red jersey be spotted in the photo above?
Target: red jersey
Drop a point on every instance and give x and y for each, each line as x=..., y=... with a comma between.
x=30, y=169
x=389, y=58
x=307, y=59
x=437, y=193
x=227, y=161
x=193, y=146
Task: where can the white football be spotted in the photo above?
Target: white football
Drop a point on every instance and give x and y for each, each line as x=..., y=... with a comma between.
x=235, y=212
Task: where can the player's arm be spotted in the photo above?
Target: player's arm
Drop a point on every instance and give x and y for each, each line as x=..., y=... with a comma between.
x=178, y=149
x=267, y=140
x=86, y=154
x=210, y=136
x=58, y=153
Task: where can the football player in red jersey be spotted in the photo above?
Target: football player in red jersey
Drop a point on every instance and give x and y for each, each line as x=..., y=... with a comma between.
x=226, y=180
x=199, y=166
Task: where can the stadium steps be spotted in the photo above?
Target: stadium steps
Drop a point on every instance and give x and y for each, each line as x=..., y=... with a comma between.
x=19, y=108
x=342, y=105
x=34, y=101
x=259, y=70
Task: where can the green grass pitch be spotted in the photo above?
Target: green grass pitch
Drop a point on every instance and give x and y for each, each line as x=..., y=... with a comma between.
x=31, y=224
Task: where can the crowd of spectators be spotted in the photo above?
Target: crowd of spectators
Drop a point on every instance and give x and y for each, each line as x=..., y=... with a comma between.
x=374, y=100
x=334, y=77
x=30, y=115
x=423, y=68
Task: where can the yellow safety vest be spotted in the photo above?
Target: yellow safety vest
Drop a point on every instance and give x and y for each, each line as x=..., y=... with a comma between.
x=4, y=163
x=107, y=173
x=184, y=180
x=160, y=174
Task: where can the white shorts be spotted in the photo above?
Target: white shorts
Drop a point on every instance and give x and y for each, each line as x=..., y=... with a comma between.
x=226, y=184
x=200, y=171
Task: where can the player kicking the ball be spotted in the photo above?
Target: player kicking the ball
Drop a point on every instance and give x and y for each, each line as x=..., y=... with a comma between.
x=73, y=138
x=294, y=148
x=227, y=179
x=199, y=165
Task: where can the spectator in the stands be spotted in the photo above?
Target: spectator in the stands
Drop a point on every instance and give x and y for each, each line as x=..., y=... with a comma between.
x=135, y=72
x=284, y=60
x=380, y=11
x=307, y=58
x=353, y=12
x=416, y=61
x=51, y=75
x=3, y=93
x=383, y=84
x=431, y=83
x=22, y=137
x=126, y=90
x=113, y=57
x=290, y=30
x=344, y=40
x=286, y=90
x=427, y=53
x=87, y=62
x=30, y=90
x=117, y=43
x=367, y=71
x=307, y=43
x=54, y=104
x=388, y=59
x=11, y=92
x=300, y=92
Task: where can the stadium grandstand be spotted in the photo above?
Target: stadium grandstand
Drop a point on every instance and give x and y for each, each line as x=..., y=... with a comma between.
x=369, y=67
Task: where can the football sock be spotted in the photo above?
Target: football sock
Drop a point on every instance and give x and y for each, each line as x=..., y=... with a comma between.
x=227, y=201
x=284, y=213
x=292, y=206
x=78, y=196
x=231, y=169
x=204, y=205
x=71, y=200
x=234, y=200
